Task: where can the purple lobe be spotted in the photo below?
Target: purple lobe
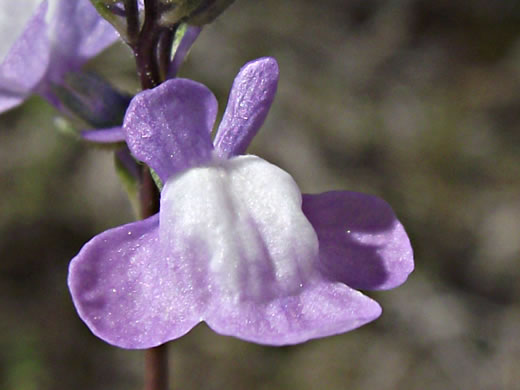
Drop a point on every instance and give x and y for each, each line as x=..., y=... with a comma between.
x=249, y=101
x=362, y=244
x=26, y=62
x=169, y=127
x=321, y=308
x=126, y=291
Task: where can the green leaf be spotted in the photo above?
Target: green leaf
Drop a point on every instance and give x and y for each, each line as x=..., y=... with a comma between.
x=104, y=9
x=157, y=180
x=195, y=12
x=179, y=34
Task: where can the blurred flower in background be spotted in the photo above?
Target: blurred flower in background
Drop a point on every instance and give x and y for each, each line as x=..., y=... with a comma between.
x=42, y=41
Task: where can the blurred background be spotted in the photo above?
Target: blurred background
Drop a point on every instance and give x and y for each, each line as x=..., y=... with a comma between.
x=416, y=101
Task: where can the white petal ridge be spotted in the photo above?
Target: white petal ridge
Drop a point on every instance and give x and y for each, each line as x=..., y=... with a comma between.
x=245, y=216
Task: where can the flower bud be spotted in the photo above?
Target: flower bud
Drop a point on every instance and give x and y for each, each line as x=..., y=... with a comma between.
x=92, y=99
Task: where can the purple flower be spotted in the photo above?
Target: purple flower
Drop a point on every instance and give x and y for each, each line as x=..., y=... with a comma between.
x=235, y=243
x=59, y=36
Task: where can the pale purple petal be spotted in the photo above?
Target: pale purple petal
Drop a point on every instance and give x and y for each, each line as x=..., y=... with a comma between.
x=362, y=244
x=127, y=291
x=191, y=34
x=10, y=99
x=169, y=127
x=14, y=17
x=104, y=136
x=77, y=33
x=249, y=101
x=26, y=62
x=59, y=38
x=321, y=308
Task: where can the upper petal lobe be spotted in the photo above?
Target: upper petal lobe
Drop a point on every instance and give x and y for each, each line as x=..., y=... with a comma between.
x=249, y=101
x=169, y=127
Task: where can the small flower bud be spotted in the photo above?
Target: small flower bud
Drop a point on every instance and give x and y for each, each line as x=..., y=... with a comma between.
x=92, y=99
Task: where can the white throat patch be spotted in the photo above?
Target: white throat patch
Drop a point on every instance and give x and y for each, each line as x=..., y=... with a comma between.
x=245, y=216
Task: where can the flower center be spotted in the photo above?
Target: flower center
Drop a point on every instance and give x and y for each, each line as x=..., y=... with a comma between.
x=239, y=225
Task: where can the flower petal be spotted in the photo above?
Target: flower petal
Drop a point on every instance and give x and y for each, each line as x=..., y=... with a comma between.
x=127, y=292
x=169, y=127
x=26, y=61
x=104, y=136
x=14, y=15
x=59, y=38
x=77, y=33
x=249, y=101
x=320, y=309
x=362, y=243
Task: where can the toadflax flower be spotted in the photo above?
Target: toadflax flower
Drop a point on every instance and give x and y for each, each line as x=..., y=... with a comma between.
x=235, y=243
x=44, y=40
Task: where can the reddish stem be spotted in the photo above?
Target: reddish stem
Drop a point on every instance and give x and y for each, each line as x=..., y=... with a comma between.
x=156, y=366
x=156, y=359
